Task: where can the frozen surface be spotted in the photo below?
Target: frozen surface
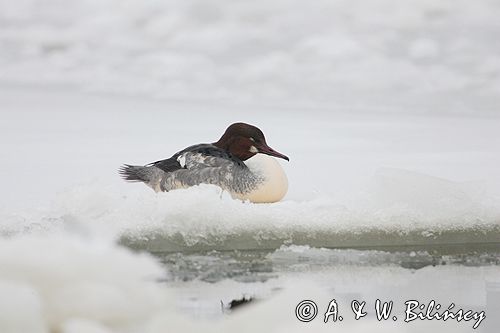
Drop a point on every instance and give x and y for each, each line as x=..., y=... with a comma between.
x=354, y=180
x=417, y=56
x=467, y=287
x=62, y=282
x=69, y=283
x=388, y=111
x=64, y=207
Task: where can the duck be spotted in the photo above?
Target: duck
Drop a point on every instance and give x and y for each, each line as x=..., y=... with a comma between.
x=240, y=162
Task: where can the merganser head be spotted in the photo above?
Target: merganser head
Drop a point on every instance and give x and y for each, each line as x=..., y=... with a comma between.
x=244, y=141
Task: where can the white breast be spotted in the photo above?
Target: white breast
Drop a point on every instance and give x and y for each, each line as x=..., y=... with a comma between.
x=275, y=184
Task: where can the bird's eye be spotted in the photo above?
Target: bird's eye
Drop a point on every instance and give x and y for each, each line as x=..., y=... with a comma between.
x=252, y=139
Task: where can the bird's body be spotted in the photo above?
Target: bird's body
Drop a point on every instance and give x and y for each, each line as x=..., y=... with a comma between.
x=260, y=179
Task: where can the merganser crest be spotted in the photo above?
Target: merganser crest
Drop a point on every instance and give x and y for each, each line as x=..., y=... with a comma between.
x=222, y=164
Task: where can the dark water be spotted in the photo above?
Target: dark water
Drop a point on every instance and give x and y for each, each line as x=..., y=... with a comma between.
x=262, y=265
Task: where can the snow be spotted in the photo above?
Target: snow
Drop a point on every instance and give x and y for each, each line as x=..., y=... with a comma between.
x=465, y=286
x=387, y=110
x=64, y=196
x=395, y=56
x=347, y=174
x=61, y=278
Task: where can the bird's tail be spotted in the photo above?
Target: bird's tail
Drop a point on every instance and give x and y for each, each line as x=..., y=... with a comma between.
x=135, y=173
x=149, y=175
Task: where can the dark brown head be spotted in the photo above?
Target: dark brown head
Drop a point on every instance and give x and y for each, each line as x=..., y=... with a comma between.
x=244, y=141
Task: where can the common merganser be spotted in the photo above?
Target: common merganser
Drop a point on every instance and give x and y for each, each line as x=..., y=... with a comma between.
x=231, y=163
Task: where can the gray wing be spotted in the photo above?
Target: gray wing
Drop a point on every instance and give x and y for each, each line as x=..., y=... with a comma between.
x=172, y=164
x=200, y=168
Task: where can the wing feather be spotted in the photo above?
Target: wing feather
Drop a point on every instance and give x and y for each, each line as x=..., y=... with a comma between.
x=203, y=155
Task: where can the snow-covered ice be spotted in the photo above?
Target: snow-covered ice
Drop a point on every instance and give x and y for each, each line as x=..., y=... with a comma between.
x=57, y=282
x=418, y=56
